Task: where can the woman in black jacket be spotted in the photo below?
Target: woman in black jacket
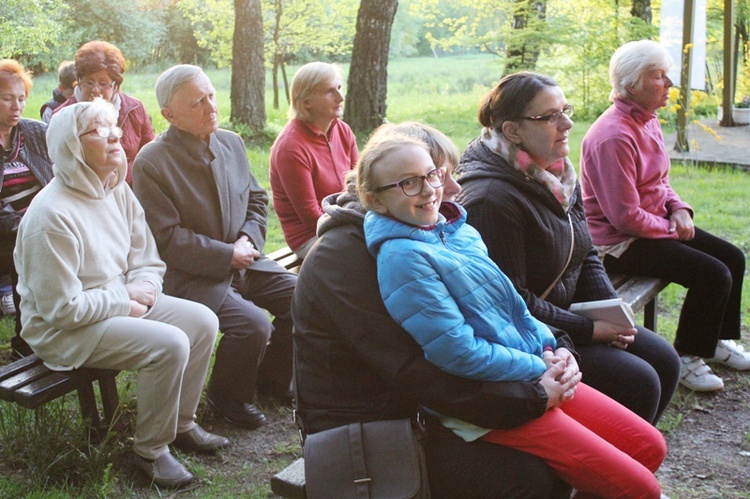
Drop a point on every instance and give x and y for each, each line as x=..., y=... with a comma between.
x=353, y=363
x=521, y=193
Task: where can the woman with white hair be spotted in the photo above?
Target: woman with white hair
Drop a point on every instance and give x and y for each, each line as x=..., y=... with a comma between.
x=642, y=227
x=90, y=280
x=312, y=153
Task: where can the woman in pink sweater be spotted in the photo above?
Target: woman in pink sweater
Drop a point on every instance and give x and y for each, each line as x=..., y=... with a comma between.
x=642, y=227
x=312, y=153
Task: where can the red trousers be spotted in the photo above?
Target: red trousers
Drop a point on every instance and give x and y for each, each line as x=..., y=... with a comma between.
x=595, y=444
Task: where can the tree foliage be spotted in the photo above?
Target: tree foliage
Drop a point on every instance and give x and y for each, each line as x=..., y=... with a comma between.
x=27, y=27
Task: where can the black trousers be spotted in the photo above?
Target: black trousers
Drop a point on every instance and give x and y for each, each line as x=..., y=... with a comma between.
x=18, y=345
x=711, y=269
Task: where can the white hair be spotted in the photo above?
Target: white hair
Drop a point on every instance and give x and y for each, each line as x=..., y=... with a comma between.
x=172, y=79
x=631, y=61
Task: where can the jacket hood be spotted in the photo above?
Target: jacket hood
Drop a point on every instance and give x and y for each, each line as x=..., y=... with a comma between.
x=380, y=228
x=341, y=208
x=66, y=152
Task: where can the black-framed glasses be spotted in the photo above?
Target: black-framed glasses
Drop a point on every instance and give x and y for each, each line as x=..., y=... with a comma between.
x=101, y=85
x=105, y=132
x=553, y=118
x=413, y=186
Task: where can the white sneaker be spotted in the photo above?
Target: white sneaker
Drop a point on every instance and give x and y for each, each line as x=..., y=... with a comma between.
x=7, y=305
x=732, y=354
x=697, y=376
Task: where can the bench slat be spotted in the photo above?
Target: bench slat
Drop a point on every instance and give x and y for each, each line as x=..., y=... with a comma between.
x=9, y=386
x=638, y=291
x=52, y=386
x=290, y=482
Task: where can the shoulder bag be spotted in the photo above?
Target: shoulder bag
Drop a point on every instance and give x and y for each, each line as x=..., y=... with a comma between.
x=375, y=460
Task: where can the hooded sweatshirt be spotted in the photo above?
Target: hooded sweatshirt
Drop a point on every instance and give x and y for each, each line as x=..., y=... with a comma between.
x=78, y=245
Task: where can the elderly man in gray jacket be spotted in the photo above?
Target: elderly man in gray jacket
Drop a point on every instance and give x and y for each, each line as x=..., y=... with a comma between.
x=208, y=215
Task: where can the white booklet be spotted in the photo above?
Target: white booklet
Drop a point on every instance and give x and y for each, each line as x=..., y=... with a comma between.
x=613, y=310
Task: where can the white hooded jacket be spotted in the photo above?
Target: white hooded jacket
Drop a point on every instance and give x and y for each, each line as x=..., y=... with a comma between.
x=78, y=245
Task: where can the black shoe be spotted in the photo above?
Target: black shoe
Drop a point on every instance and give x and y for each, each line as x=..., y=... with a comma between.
x=240, y=414
x=199, y=440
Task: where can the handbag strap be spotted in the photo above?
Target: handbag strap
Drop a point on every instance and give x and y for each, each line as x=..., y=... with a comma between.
x=543, y=296
x=361, y=480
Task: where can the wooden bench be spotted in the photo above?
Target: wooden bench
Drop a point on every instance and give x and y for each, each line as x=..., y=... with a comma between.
x=286, y=258
x=639, y=292
x=30, y=384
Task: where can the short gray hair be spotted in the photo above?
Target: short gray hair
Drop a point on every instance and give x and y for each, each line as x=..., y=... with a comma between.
x=631, y=60
x=172, y=79
x=96, y=110
x=304, y=82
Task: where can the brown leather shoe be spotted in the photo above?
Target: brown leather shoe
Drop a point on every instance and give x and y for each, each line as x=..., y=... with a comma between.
x=164, y=471
x=199, y=440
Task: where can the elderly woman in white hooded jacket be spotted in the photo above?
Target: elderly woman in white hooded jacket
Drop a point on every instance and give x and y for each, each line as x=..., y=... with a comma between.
x=90, y=280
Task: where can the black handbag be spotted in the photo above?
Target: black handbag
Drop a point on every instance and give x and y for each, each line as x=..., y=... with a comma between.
x=375, y=460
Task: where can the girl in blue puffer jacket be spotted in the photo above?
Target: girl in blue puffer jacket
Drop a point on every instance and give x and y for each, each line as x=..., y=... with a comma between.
x=438, y=282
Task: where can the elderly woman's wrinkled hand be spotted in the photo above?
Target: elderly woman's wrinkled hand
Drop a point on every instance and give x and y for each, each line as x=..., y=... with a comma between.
x=142, y=292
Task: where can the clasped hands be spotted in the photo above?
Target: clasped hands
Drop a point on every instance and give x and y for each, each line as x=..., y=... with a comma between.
x=142, y=296
x=561, y=378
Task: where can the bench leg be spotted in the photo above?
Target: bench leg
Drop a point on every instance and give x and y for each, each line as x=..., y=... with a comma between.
x=649, y=315
x=110, y=398
x=88, y=403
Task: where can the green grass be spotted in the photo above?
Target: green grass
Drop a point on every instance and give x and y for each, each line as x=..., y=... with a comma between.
x=444, y=93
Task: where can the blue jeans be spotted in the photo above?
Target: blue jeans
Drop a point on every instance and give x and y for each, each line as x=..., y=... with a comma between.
x=711, y=269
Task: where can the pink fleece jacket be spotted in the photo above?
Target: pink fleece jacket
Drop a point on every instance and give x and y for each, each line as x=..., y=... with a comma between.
x=306, y=166
x=625, y=176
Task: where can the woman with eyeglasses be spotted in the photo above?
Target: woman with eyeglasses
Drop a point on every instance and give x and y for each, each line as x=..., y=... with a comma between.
x=642, y=227
x=90, y=280
x=99, y=67
x=522, y=194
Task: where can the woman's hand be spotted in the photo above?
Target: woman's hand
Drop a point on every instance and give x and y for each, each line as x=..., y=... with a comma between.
x=142, y=292
x=557, y=390
x=613, y=334
x=682, y=222
x=137, y=309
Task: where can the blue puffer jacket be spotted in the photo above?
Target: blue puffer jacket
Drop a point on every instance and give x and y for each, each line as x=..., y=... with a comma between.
x=441, y=286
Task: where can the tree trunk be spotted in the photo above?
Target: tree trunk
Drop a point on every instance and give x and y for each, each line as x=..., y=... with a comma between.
x=523, y=51
x=248, y=68
x=642, y=9
x=276, y=51
x=368, y=73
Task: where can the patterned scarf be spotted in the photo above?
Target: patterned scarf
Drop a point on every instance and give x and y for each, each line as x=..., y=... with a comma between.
x=559, y=178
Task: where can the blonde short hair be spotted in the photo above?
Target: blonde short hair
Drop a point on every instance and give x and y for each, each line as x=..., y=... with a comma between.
x=380, y=145
x=303, y=85
x=440, y=147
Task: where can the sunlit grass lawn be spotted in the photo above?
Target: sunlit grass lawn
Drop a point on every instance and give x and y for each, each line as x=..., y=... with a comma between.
x=445, y=93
